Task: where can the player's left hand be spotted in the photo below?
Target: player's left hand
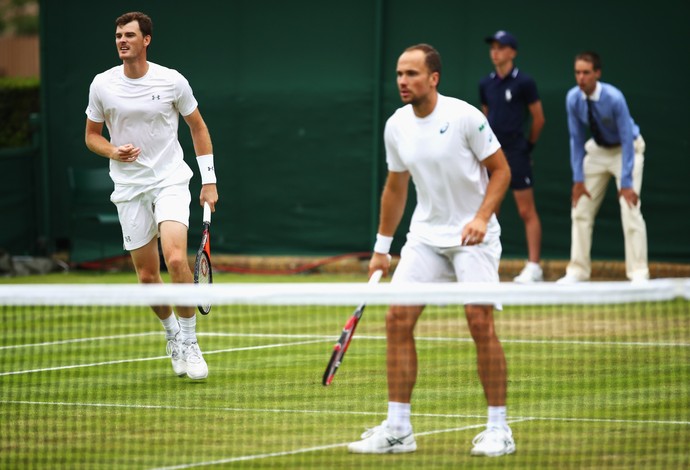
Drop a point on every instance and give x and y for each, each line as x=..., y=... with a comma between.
x=209, y=193
x=474, y=232
x=630, y=197
x=379, y=261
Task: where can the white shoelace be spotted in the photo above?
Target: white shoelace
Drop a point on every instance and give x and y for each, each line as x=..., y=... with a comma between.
x=171, y=350
x=495, y=434
x=371, y=431
x=192, y=353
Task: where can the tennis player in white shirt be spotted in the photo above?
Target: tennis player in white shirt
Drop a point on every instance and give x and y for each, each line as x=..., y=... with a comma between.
x=460, y=173
x=140, y=103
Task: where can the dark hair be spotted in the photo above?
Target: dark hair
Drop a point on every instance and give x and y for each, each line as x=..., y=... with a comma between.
x=145, y=23
x=432, y=59
x=591, y=57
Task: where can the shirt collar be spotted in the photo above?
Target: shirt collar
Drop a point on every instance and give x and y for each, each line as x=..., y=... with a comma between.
x=513, y=73
x=595, y=95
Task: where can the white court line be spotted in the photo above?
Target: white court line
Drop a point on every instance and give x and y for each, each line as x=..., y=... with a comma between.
x=245, y=458
x=156, y=358
x=544, y=341
x=514, y=420
x=317, y=339
x=79, y=340
x=330, y=412
x=153, y=333
x=463, y=340
x=367, y=337
x=596, y=343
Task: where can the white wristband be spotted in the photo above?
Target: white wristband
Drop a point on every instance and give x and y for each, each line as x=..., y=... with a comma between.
x=383, y=244
x=208, y=172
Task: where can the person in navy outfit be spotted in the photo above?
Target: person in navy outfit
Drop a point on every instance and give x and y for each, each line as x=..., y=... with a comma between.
x=509, y=98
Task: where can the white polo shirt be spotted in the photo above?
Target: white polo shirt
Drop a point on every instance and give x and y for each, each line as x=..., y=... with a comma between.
x=143, y=112
x=443, y=153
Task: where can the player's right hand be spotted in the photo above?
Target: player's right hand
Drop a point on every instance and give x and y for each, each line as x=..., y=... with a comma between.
x=126, y=153
x=379, y=261
x=579, y=190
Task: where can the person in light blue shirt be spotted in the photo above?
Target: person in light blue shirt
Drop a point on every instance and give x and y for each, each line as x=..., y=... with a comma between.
x=615, y=149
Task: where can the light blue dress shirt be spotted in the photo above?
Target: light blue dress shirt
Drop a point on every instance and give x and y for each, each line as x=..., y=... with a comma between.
x=616, y=125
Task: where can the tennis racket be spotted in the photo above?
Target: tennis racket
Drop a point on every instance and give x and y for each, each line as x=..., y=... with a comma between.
x=203, y=274
x=343, y=343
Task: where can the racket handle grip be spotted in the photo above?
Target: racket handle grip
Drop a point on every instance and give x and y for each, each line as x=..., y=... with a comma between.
x=375, y=277
x=207, y=213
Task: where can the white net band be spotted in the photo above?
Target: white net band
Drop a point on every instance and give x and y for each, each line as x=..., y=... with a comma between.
x=344, y=293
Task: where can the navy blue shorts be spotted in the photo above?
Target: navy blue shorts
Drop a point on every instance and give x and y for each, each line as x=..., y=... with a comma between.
x=520, y=163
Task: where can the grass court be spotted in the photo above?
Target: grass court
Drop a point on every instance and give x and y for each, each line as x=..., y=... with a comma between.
x=604, y=386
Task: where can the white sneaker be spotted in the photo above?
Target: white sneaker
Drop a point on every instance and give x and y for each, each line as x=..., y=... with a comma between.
x=380, y=440
x=174, y=350
x=530, y=273
x=493, y=442
x=194, y=361
x=639, y=278
x=570, y=279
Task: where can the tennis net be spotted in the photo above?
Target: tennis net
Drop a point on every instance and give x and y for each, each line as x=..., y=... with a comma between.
x=598, y=375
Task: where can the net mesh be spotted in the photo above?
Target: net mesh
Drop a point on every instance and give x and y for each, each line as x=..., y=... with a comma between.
x=598, y=375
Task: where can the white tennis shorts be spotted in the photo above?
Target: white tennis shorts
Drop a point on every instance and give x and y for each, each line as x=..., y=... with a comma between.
x=420, y=262
x=141, y=216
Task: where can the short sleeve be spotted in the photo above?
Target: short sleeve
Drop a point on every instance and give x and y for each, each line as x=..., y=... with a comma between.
x=530, y=91
x=482, y=94
x=186, y=103
x=480, y=136
x=392, y=156
x=94, y=110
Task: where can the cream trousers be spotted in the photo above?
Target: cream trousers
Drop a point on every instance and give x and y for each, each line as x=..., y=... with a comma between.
x=599, y=165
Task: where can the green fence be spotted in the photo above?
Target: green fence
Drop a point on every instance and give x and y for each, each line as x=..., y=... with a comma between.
x=296, y=94
x=19, y=202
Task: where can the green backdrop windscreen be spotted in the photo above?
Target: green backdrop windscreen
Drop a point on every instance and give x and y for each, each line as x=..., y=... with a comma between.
x=296, y=94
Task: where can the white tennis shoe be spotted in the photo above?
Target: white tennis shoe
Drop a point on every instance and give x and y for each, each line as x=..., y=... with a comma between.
x=531, y=273
x=195, y=364
x=493, y=442
x=174, y=350
x=380, y=440
x=569, y=279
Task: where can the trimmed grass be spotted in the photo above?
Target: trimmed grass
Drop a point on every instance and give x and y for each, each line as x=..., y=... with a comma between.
x=589, y=387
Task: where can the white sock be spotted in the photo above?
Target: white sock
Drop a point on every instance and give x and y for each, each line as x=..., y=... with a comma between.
x=188, y=329
x=399, y=418
x=497, y=417
x=171, y=326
